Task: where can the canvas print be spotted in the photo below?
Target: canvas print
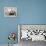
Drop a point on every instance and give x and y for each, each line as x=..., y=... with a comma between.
x=10, y=11
x=33, y=32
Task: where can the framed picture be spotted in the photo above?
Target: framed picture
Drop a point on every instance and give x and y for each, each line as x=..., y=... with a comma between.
x=31, y=32
x=10, y=11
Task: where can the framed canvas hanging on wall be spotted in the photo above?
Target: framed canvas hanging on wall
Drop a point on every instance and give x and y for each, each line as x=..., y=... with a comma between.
x=32, y=32
x=10, y=11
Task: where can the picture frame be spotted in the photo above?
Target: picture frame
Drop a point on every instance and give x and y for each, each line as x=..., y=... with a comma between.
x=10, y=11
x=39, y=32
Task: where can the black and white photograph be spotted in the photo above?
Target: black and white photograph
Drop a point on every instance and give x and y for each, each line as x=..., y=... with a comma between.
x=10, y=11
x=31, y=35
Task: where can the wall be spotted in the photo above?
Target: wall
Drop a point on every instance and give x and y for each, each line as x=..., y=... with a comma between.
x=33, y=12
x=7, y=25
x=29, y=12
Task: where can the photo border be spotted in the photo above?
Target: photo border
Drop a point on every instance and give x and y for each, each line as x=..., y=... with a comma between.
x=26, y=24
x=10, y=16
